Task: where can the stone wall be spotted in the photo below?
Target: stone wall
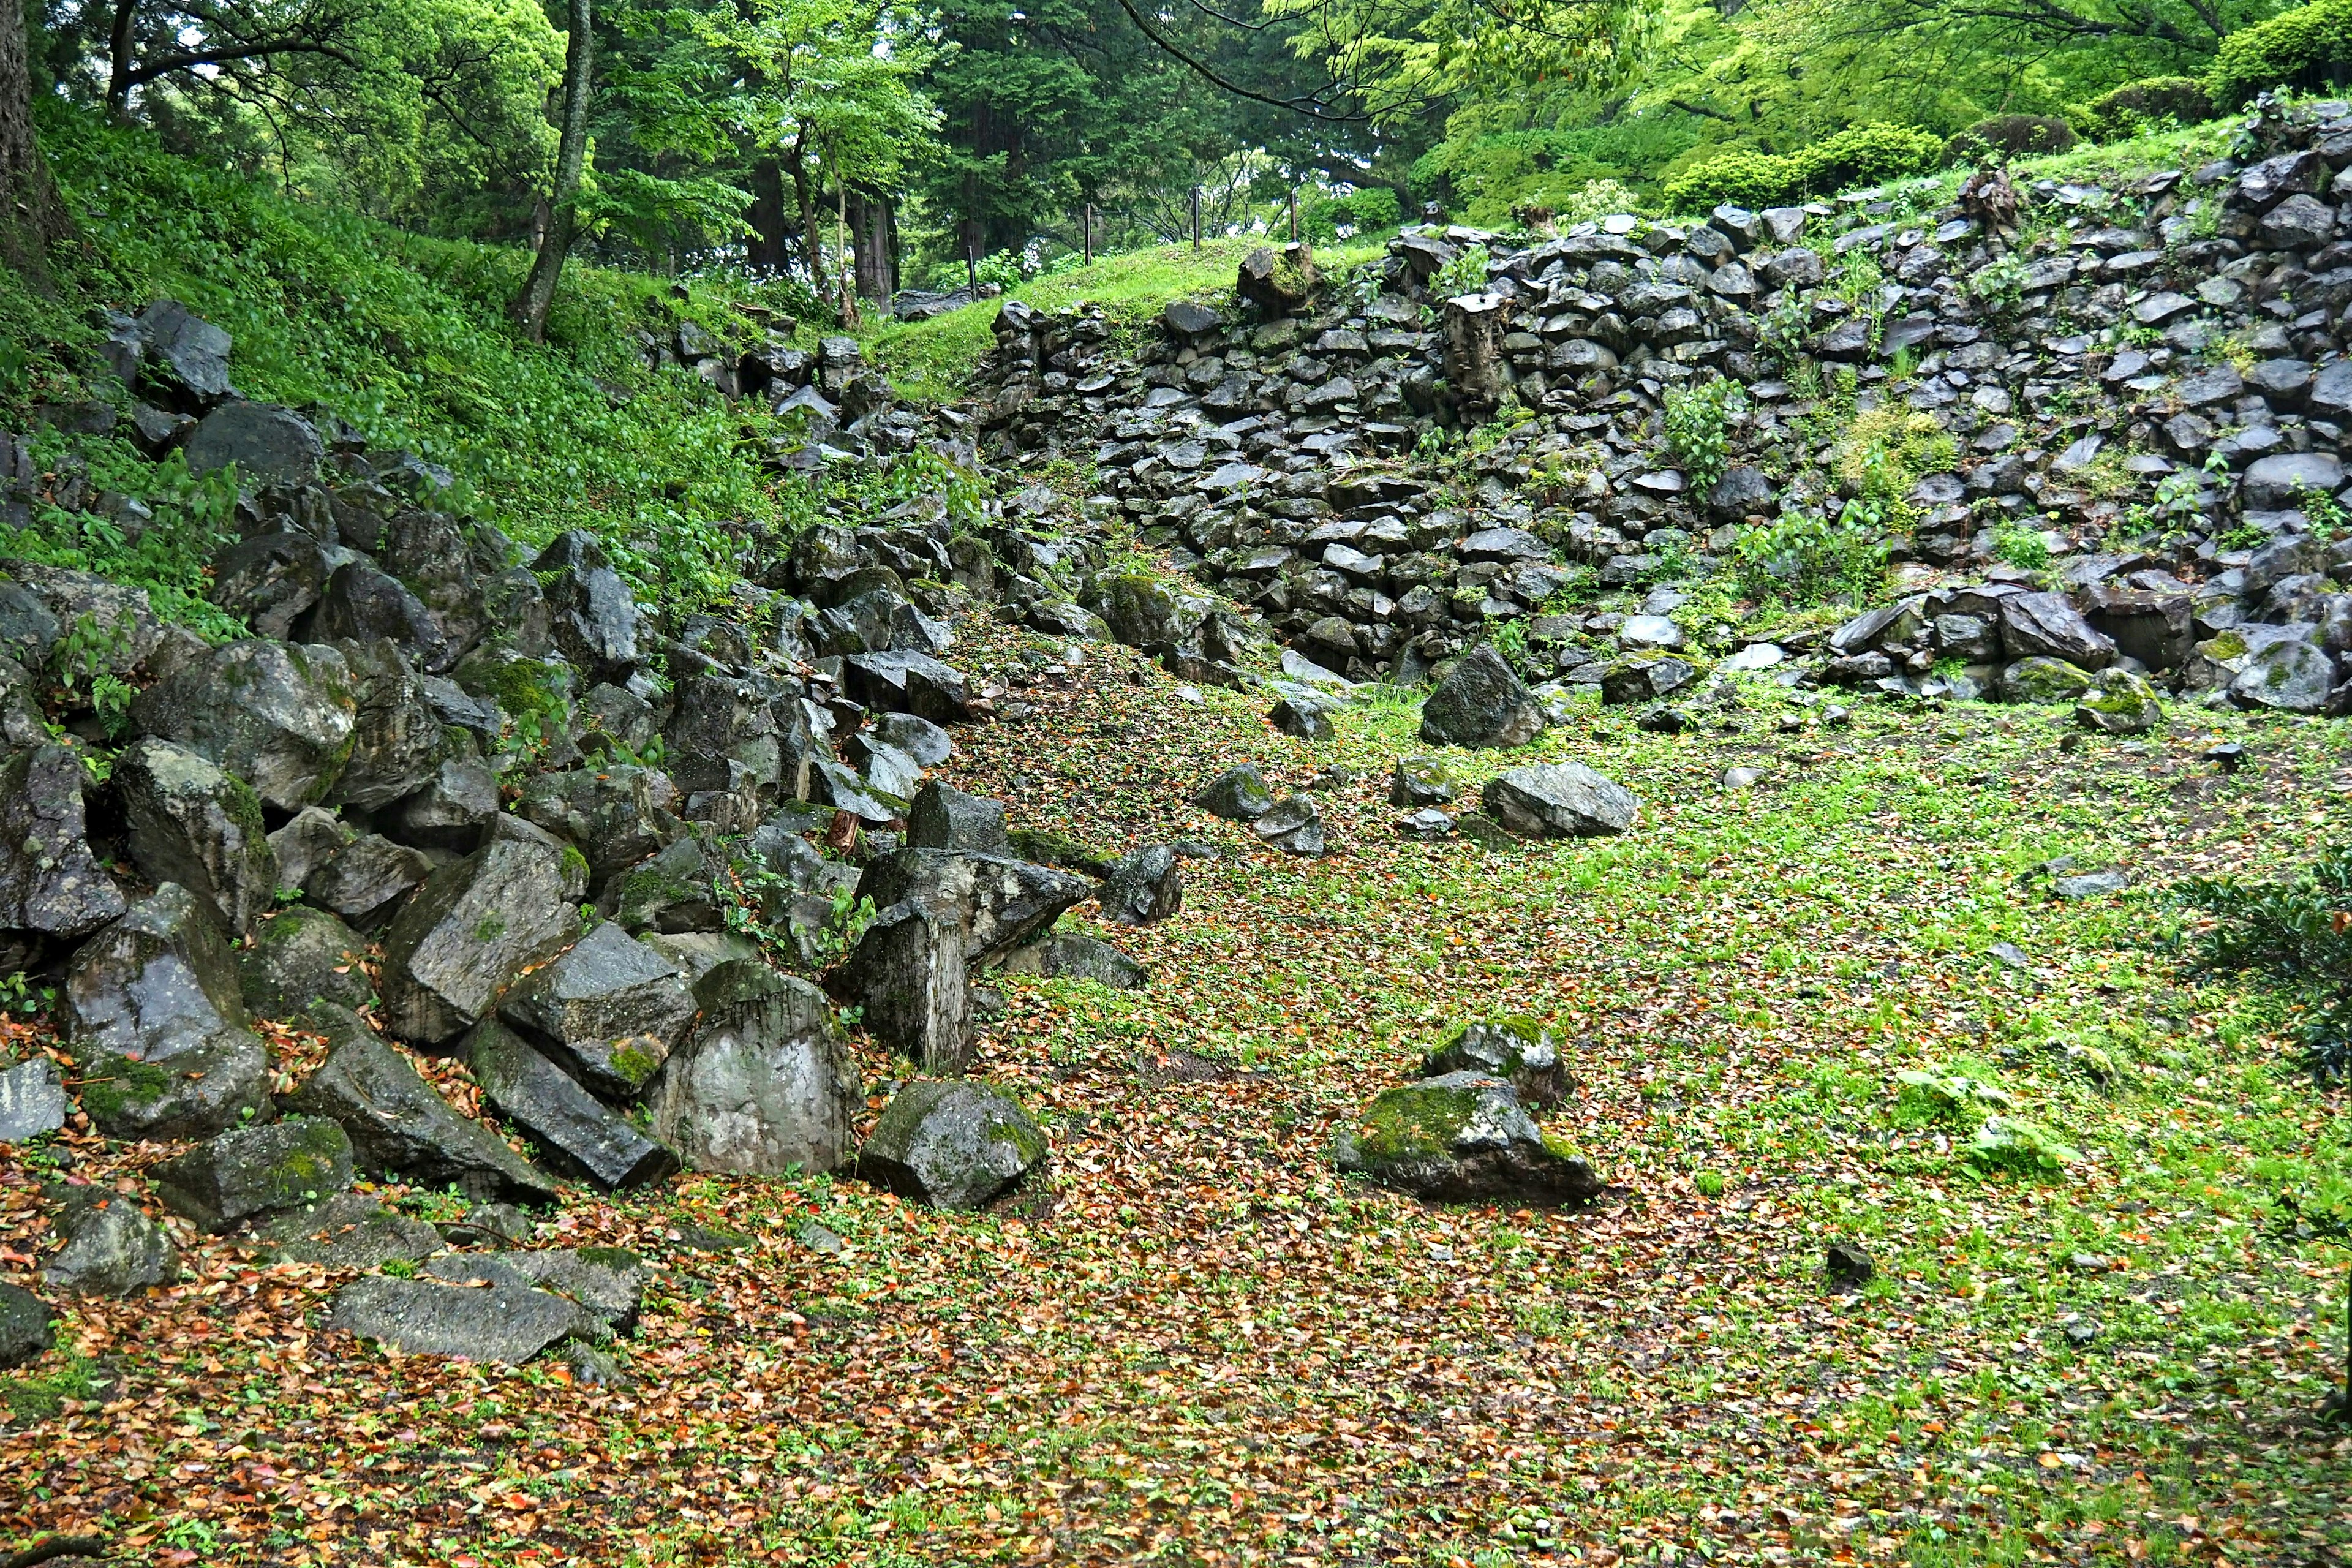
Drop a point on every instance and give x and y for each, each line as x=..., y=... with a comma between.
x=2147, y=376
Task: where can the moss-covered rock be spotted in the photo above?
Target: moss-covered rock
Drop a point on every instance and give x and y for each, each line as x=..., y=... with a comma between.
x=299, y=956
x=2042, y=680
x=953, y=1144
x=1517, y=1049
x=1463, y=1137
x=2119, y=703
x=257, y=1170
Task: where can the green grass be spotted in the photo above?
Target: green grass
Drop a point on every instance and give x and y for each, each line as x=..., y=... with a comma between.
x=934, y=359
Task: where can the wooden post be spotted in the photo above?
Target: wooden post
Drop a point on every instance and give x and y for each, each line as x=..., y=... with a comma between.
x=1294, y=215
x=1087, y=224
x=1196, y=217
x=971, y=264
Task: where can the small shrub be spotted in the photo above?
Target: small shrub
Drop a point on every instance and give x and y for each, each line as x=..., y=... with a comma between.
x=2296, y=935
x=2021, y=546
x=2008, y=136
x=1887, y=448
x=2308, y=48
x=2151, y=103
x=1596, y=199
x=1812, y=558
x=1697, y=429
x=2022, y=1148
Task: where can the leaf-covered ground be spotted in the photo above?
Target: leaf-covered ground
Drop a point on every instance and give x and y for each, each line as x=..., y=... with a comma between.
x=1211, y=1349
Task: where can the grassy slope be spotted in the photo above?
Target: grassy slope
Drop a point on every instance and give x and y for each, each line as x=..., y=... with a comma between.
x=1215, y=1349
x=933, y=358
x=405, y=338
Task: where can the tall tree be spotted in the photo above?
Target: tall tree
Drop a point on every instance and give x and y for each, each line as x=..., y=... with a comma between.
x=31, y=216
x=531, y=306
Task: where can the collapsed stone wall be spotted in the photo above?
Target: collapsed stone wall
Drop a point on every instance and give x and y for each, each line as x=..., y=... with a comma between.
x=2148, y=376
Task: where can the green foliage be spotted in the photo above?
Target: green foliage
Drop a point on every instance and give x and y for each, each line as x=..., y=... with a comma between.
x=1744, y=179
x=2306, y=48
x=1807, y=557
x=1367, y=211
x=2020, y=544
x=1465, y=274
x=405, y=337
x=1696, y=425
x=2294, y=934
x=1488, y=172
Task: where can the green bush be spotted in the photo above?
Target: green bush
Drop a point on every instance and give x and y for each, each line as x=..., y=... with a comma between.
x=2007, y=136
x=2309, y=48
x=1866, y=155
x=2151, y=103
x=1374, y=208
x=1863, y=155
x=1745, y=178
x=2297, y=935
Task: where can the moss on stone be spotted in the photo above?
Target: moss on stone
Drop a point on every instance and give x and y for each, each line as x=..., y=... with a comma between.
x=1415, y=1119
x=119, y=1084
x=490, y=929
x=632, y=1064
x=244, y=808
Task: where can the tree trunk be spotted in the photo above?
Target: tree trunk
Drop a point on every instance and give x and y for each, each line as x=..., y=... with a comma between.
x=812, y=236
x=31, y=216
x=118, y=58
x=770, y=228
x=531, y=307
x=873, y=229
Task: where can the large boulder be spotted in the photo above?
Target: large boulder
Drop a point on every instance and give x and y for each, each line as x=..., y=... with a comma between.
x=398, y=742
x=196, y=824
x=1463, y=1137
x=2119, y=703
x=266, y=444
x=1277, y=283
x=907, y=683
x=2286, y=676
x=954, y=1144
x=1145, y=887
x=1518, y=1049
x=119, y=628
x=365, y=879
x=610, y=1010
x=1560, y=800
x=299, y=956
x=616, y=816
x=457, y=800
x=764, y=1085
x=1295, y=826
x=32, y=1101
x=399, y=1124
x=50, y=883
x=907, y=977
x=1480, y=703
x=1237, y=795
x=999, y=901
x=503, y=1325
x=273, y=580
x=2045, y=625
x=477, y=923
x=942, y=817
x=277, y=715
x=349, y=1230
x=227, y=1180
x=596, y=619
x=668, y=893
x=111, y=1246
x=158, y=1025
x=361, y=603
x=573, y=1129
x=181, y=353
x=1073, y=955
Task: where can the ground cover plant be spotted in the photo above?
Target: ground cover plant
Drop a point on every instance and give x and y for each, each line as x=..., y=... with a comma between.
x=1209, y=1347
